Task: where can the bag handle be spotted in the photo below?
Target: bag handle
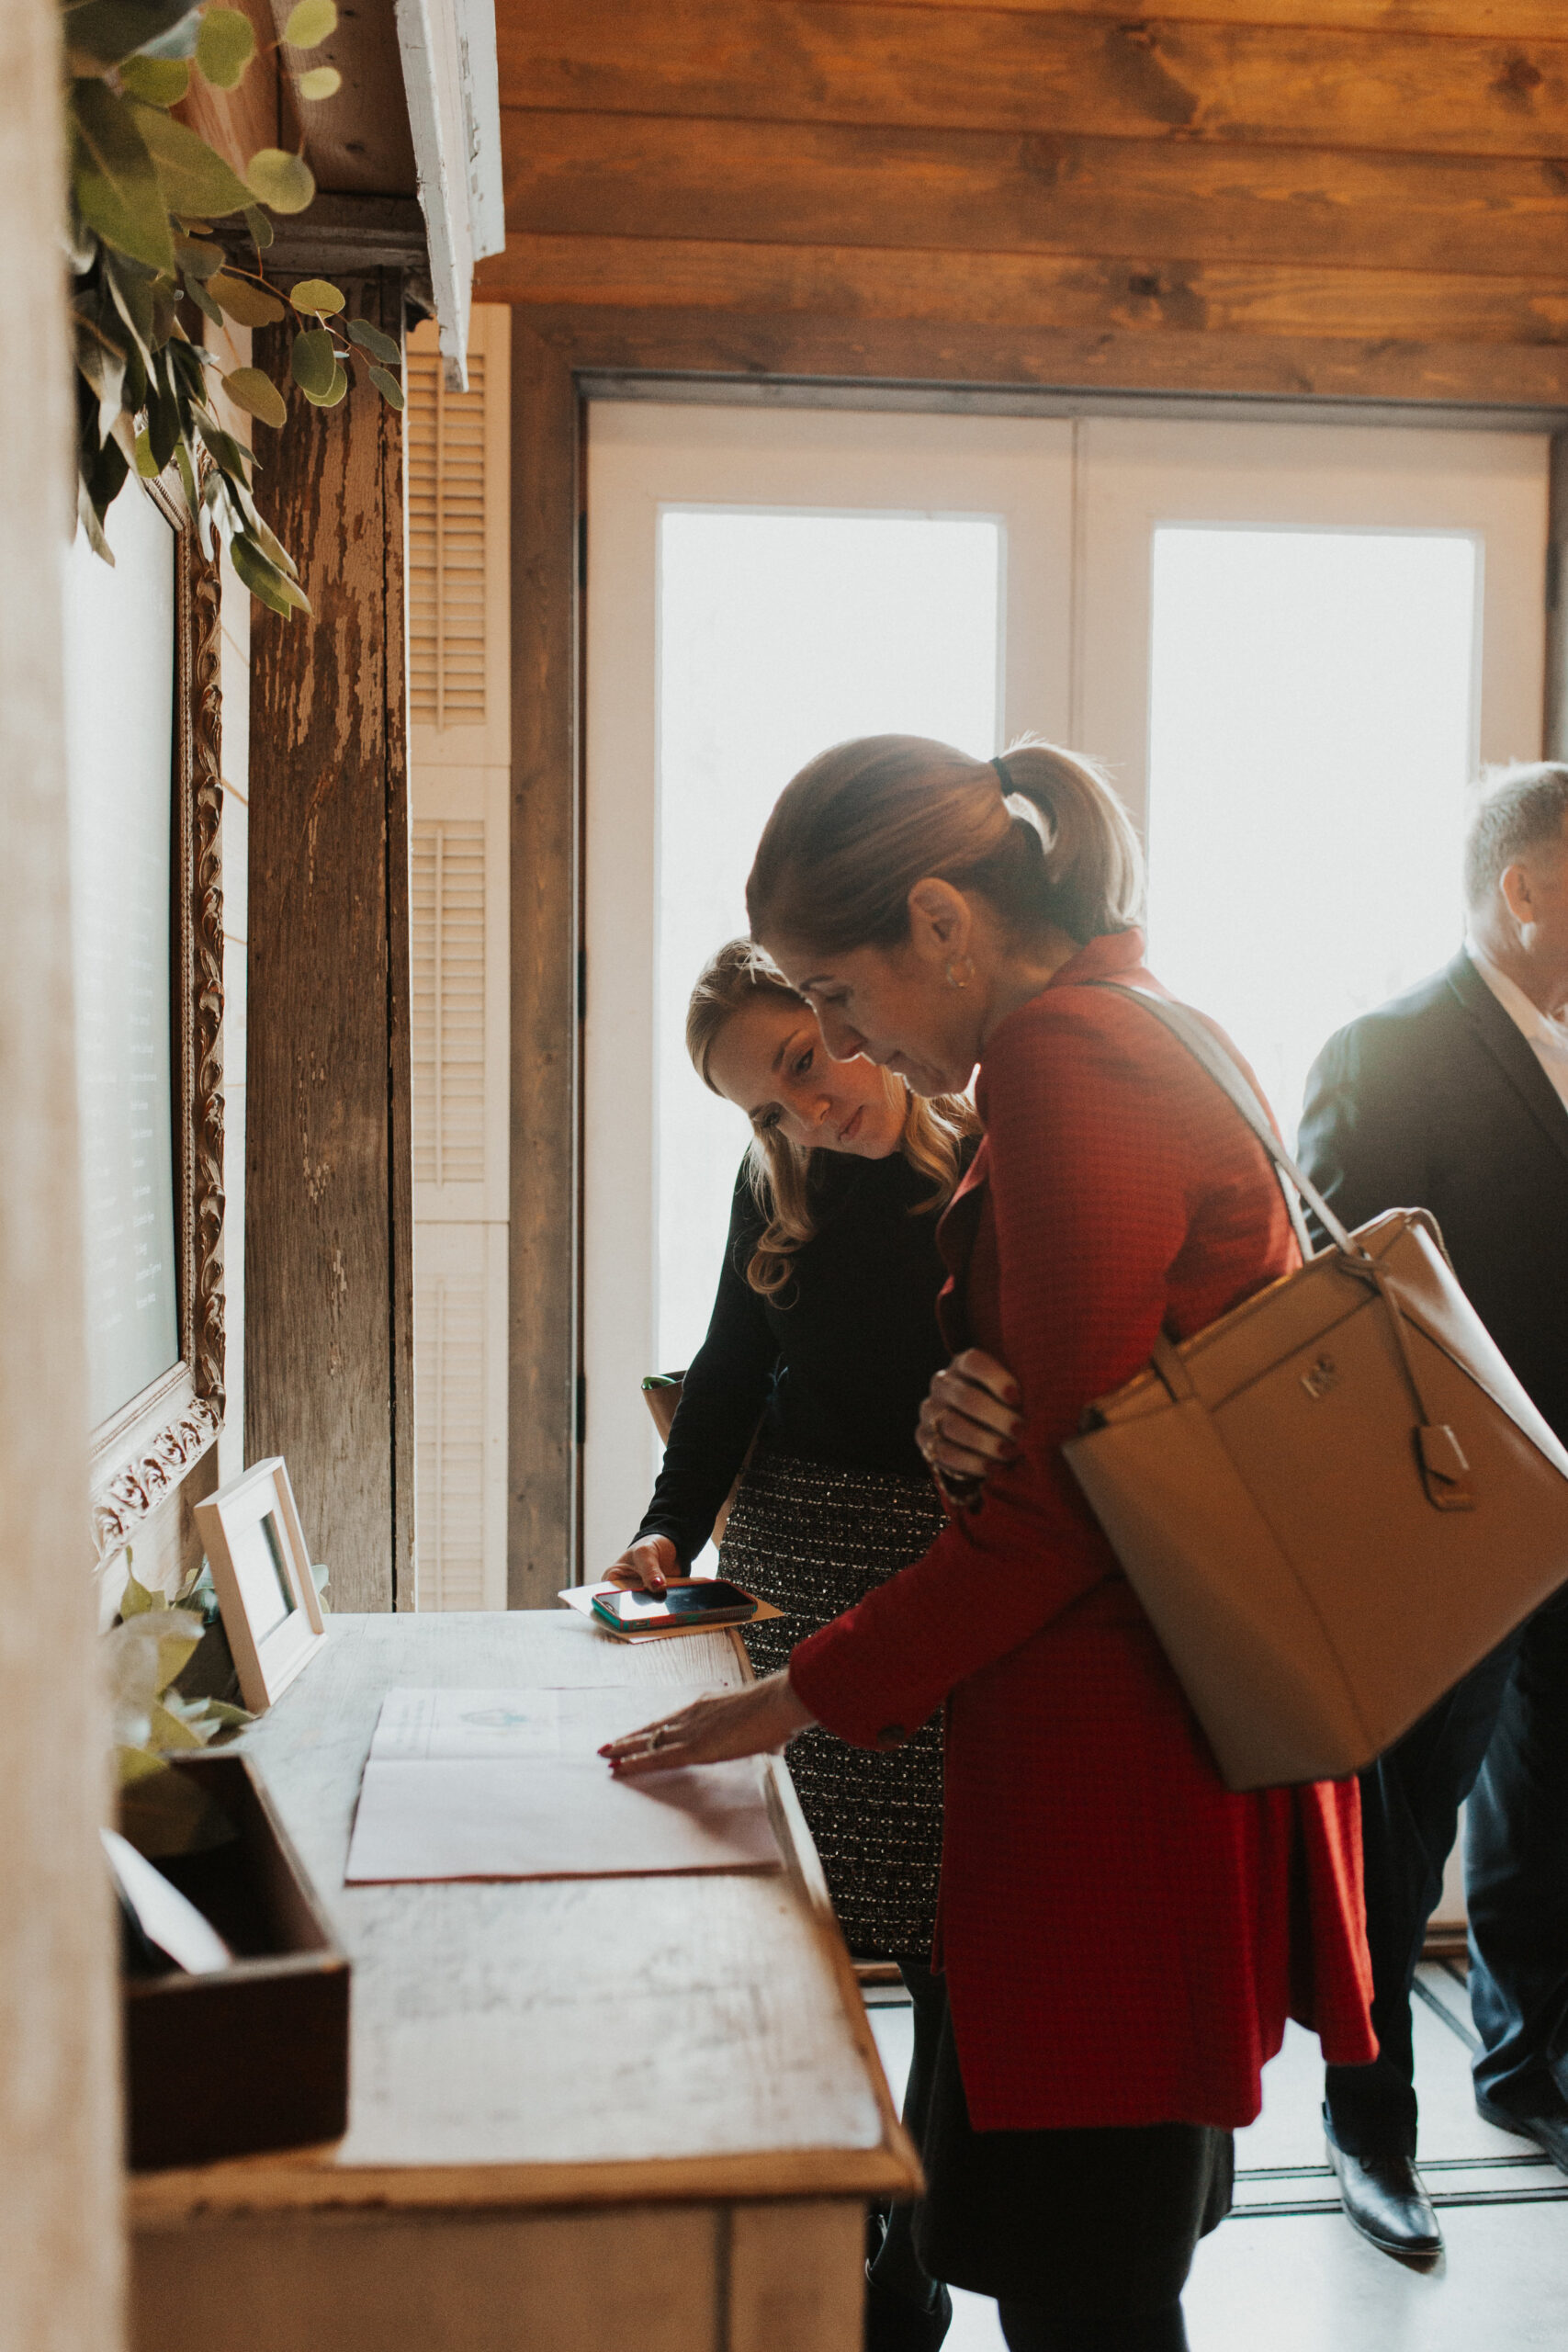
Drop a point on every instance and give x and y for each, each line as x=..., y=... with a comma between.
x=1445, y=1473
x=1206, y=1049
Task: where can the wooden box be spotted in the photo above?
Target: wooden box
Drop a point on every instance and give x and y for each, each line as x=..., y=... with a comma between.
x=254, y=2056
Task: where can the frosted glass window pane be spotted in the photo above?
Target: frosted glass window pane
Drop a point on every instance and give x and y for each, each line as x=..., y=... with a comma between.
x=779, y=635
x=120, y=719
x=1313, y=700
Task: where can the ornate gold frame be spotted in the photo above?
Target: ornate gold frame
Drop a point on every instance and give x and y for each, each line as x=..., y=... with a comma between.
x=141, y=1453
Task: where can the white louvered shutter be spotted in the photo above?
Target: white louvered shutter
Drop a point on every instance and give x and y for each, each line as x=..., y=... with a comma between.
x=459, y=632
x=448, y=935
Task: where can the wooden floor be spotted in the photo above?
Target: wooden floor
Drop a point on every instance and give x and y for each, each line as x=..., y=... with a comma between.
x=1287, y=2271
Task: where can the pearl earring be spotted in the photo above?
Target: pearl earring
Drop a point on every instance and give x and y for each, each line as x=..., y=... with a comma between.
x=952, y=979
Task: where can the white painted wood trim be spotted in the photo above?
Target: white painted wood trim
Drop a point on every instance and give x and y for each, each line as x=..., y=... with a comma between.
x=451, y=83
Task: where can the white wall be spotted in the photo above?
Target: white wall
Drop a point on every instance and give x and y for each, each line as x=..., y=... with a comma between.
x=60, y=2226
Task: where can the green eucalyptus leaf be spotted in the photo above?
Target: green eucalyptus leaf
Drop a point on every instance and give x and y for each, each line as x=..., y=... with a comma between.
x=371, y=339
x=166, y=1730
x=113, y=177
x=179, y=40
x=259, y=226
x=184, y=367
x=162, y=421
x=147, y=465
x=137, y=1599
x=133, y=297
x=223, y=1716
x=192, y=177
x=321, y=82
x=265, y=583
x=109, y=31
x=335, y=391
x=198, y=257
x=281, y=181
x=317, y=297
x=104, y=477
x=312, y=361
x=187, y=475
x=203, y=300
x=164, y=312
x=102, y=363
x=89, y=520
x=391, y=392
x=310, y=23
x=225, y=450
x=224, y=48
x=256, y=393
x=244, y=300
x=273, y=548
x=158, y=81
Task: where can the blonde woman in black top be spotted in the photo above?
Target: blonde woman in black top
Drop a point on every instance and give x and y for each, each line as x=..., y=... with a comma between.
x=822, y=1344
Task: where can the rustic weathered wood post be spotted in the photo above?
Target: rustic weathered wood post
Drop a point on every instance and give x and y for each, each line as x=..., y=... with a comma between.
x=329, y=1332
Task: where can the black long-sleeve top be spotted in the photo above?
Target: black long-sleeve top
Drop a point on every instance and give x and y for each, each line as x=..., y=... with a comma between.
x=836, y=1368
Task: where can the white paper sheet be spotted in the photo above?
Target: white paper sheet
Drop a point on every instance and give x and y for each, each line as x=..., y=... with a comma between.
x=507, y=1785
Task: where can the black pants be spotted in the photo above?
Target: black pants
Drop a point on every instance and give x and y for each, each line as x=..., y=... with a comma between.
x=1084, y=2238
x=913, y=2310
x=1501, y=1739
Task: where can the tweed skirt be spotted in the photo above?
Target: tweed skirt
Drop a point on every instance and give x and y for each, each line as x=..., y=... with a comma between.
x=814, y=1540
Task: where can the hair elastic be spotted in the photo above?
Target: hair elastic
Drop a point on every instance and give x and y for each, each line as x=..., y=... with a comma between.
x=1000, y=766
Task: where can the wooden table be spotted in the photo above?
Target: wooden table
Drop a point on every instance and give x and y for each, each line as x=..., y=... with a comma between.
x=587, y=2115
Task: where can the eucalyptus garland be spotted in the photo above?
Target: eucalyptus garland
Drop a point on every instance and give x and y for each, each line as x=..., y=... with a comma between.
x=145, y=192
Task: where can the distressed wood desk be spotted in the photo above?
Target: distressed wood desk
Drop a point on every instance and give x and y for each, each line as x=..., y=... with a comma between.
x=611, y=2115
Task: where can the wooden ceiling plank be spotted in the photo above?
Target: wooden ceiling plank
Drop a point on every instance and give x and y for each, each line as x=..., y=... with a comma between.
x=988, y=69
x=815, y=184
x=357, y=143
x=811, y=349
x=1477, y=19
x=1066, y=295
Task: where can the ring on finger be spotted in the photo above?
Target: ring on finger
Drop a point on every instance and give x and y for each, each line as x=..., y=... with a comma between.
x=657, y=1738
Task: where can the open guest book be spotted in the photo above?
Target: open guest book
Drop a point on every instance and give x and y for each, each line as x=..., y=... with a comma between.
x=507, y=1784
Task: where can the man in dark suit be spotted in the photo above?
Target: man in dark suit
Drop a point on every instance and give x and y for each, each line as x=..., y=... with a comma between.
x=1455, y=1098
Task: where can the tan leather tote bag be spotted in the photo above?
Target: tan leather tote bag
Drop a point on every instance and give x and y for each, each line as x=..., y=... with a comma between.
x=1334, y=1500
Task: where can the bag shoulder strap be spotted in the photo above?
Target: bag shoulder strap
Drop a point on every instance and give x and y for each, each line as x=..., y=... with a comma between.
x=1206, y=1050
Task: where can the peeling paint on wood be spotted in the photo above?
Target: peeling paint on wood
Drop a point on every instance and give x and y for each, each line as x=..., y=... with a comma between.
x=329, y=1229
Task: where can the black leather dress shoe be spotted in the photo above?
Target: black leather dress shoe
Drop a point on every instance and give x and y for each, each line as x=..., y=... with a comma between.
x=1383, y=2198
x=1550, y=2132
x=894, y=2325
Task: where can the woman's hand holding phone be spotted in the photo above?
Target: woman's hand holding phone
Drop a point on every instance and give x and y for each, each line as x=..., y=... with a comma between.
x=645, y=1566
x=969, y=1422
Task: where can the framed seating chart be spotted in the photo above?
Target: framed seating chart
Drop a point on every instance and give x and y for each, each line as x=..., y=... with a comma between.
x=141, y=676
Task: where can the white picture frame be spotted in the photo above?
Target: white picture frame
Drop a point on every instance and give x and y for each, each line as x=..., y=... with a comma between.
x=261, y=1570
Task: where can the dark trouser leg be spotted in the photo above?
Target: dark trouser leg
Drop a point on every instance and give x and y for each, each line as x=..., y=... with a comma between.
x=1410, y=1802
x=1085, y=2237
x=895, y=2271
x=1028, y=2329
x=1517, y=1879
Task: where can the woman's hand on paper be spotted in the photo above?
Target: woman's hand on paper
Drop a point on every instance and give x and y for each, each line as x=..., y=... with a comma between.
x=645, y=1566
x=753, y=1721
x=969, y=1422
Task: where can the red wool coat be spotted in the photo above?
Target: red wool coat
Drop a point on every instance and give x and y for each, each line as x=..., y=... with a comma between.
x=1123, y=1937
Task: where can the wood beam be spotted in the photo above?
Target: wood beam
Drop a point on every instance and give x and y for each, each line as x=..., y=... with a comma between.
x=1554, y=732
x=651, y=175
x=328, y=1309
x=1025, y=292
x=1478, y=19
x=992, y=69
x=546, y=932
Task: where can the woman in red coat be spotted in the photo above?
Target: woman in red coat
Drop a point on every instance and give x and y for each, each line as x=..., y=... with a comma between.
x=1123, y=1937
